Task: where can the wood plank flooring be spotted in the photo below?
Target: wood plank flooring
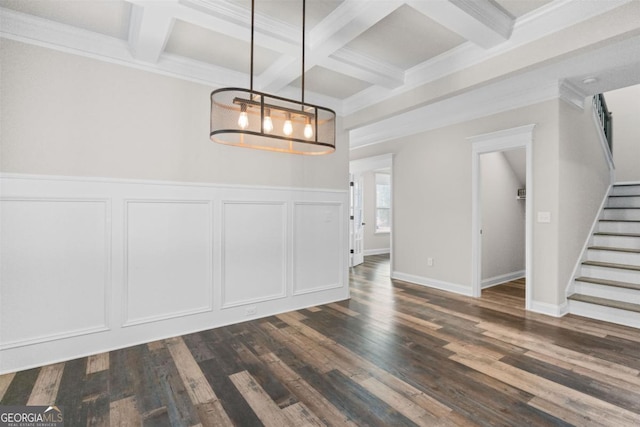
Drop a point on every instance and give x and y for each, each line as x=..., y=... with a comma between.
x=395, y=354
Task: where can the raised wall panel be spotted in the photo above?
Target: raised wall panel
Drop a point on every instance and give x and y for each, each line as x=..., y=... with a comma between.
x=318, y=251
x=254, y=252
x=168, y=259
x=55, y=268
x=88, y=265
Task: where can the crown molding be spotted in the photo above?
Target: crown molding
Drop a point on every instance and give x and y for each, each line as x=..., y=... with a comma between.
x=327, y=40
x=482, y=102
x=44, y=33
x=571, y=94
x=490, y=15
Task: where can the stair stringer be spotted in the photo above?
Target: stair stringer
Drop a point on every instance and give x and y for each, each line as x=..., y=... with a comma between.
x=606, y=285
x=570, y=288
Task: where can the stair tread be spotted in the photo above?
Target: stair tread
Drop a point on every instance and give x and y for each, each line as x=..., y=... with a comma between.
x=614, y=283
x=610, y=233
x=612, y=265
x=614, y=249
x=622, y=207
x=606, y=302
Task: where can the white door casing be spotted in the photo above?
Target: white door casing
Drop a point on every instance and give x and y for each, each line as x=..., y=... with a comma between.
x=356, y=224
x=507, y=139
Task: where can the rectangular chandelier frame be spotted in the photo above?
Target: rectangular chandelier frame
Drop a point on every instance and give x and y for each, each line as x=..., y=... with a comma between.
x=253, y=119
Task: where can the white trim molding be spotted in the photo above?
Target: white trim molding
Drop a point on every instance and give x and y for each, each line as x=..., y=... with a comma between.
x=555, y=310
x=432, y=283
x=571, y=94
x=506, y=139
x=503, y=278
x=381, y=251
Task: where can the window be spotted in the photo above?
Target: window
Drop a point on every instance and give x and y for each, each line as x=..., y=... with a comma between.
x=383, y=203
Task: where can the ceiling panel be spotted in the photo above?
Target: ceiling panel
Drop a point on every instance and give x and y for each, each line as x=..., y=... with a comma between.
x=208, y=46
x=322, y=80
x=406, y=38
x=518, y=8
x=109, y=17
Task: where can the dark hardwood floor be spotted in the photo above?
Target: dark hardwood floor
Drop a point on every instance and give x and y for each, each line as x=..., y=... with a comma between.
x=394, y=354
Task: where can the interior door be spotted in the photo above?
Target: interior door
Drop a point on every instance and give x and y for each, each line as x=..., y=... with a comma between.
x=356, y=225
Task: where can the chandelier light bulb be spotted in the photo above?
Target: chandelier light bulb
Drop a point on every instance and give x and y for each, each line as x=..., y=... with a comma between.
x=243, y=119
x=308, y=130
x=267, y=124
x=288, y=127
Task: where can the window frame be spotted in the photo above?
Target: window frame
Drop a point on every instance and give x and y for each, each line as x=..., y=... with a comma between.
x=378, y=207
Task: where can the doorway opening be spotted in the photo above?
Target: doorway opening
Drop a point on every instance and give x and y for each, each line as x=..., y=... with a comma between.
x=503, y=199
x=497, y=142
x=371, y=216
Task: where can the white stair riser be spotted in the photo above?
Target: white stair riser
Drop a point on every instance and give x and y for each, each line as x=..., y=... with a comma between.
x=619, y=227
x=608, y=314
x=625, y=190
x=616, y=257
x=618, y=274
x=628, y=214
x=624, y=202
x=616, y=241
x=608, y=292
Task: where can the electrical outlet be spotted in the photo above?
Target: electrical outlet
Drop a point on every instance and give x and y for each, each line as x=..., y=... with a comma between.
x=251, y=310
x=430, y=262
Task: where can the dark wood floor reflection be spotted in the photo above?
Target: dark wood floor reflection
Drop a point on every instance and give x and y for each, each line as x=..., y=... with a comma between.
x=394, y=354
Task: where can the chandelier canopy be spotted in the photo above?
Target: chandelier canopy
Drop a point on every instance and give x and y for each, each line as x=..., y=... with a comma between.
x=253, y=119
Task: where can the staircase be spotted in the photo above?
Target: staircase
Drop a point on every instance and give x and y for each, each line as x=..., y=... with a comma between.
x=608, y=282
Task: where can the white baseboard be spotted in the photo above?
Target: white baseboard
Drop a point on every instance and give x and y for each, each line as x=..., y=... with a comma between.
x=503, y=278
x=549, y=309
x=381, y=251
x=433, y=283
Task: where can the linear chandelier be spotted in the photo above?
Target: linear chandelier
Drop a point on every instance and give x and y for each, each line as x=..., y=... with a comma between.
x=253, y=119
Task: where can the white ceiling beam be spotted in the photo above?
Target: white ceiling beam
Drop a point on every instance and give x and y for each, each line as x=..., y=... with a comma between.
x=345, y=23
x=363, y=67
x=285, y=65
x=479, y=21
x=149, y=30
x=235, y=21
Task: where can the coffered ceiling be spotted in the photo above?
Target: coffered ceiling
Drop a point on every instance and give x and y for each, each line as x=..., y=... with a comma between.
x=358, y=52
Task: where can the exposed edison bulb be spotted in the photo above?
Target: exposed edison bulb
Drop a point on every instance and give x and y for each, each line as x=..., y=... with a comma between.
x=243, y=119
x=267, y=123
x=288, y=127
x=308, y=130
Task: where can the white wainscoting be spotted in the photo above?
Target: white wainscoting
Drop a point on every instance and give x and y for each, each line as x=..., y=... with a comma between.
x=90, y=265
x=168, y=259
x=53, y=250
x=254, y=252
x=318, y=263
